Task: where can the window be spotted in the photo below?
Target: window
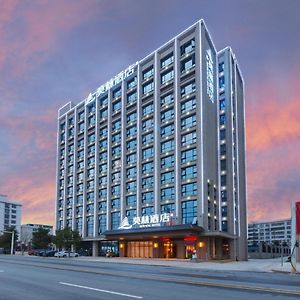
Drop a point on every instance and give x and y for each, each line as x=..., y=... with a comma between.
x=221, y=67
x=167, y=208
x=131, y=145
x=188, y=89
x=80, y=165
x=168, y=193
x=224, y=226
x=188, y=105
x=167, y=60
x=103, y=168
x=147, y=124
x=167, y=146
x=147, y=138
x=131, y=98
x=149, y=152
x=116, y=190
x=90, y=208
x=148, y=197
x=103, y=180
x=115, y=220
x=91, y=149
x=131, y=131
x=116, y=137
x=130, y=200
x=223, y=149
x=103, y=113
x=187, y=47
x=103, y=144
x=89, y=225
x=131, y=172
x=222, y=134
x=222, y=119
x=189, y=189
x=116, y=125
x=115, y=177
x=131, y=117
x=224, y=211
x=222, y=104
x=132, y=83
x=167, y=99
x=102, y=206
x=167, y=130
x=222, y=82
x=80, y=154
x=81, y=127
x=116, y=150
x=188, y=139
x=131, y=158
x=223, y=180
x=103, y=101
x=91, y=108
x=115, y=203
x=130, y=214
x=189, y=211
x=188, y=122
x=148, y=73
x=71, y=121
x=189, y=172
x=167, y=76
x=167, y=115
x=167, y=177
x=116, y=106
x=168, y=161
x=102, y=223
x=131, y=186
x=147, y=182
x=117, y=93
x=147, y=211
x=224, y=196
x=187, y=64
x=148, y=109
x=103, y=193
x=188, y=155
x=147, y=167
x=147, y=88
x=91, y=161
x=103, y=132
x=62, y=126
x=223, y=165
x=91, y=138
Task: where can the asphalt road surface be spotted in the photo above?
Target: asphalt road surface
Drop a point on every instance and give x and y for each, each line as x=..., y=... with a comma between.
x=38, y=278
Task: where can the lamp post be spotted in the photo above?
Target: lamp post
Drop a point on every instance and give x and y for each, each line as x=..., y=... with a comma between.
x=12, y=240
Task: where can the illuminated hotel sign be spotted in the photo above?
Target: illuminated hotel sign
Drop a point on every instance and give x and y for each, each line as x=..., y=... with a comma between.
x=209, y=75
x=146, y=221
x=111, y=83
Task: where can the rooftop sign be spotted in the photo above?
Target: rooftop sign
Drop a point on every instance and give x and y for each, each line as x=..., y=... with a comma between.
x=111, y=83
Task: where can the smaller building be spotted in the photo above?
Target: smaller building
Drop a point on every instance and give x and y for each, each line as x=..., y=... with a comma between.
x=269, y=232
x=27, y=231
x=10, y=214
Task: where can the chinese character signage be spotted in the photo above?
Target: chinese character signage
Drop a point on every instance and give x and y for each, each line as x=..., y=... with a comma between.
x=146, y=221
x=209, y=75
x=111, y=83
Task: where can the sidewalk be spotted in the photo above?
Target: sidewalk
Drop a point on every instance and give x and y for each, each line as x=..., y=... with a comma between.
x=254, y=265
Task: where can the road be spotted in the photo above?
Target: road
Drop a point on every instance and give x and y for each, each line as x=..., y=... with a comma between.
x=38, y=278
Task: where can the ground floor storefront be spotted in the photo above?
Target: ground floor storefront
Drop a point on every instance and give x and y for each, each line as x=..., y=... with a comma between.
x=180, y=242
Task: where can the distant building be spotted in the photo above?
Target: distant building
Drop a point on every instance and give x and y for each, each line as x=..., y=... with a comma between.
x=269, y=232
x=10, y=214
x=27, y=231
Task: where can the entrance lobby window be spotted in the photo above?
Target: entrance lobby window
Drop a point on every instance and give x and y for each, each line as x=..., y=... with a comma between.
x=142, y=249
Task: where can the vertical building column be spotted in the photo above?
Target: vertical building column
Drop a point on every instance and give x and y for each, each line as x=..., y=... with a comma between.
x=123, y=152
x=156, y=136
x=109, y=130
x=138, y=144
x=84, y=232
x=177, y=126
x=95, y=248
x=96, y=169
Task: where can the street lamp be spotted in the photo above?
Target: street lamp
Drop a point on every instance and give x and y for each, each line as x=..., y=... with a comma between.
x=12, y=240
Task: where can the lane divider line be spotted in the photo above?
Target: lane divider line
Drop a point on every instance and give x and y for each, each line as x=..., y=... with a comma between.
x=102, y=291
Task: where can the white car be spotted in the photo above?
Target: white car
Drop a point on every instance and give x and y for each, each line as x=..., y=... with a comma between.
x=66, y=254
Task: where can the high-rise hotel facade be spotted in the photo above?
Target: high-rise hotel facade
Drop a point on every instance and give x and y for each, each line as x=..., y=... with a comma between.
x=152, y=164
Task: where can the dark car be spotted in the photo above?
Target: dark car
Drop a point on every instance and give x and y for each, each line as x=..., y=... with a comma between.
x=49, y=253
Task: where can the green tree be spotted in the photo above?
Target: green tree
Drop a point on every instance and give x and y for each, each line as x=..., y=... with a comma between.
x=41, y=239
x=67, y=237
x=5, y=238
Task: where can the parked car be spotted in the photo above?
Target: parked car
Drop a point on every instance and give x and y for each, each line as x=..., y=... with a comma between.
x=49, y=253
x=66, y=254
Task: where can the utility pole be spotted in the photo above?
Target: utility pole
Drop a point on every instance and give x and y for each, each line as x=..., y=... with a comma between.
x=12, y=240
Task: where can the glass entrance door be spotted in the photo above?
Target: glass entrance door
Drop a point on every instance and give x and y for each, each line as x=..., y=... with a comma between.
x=169, y=250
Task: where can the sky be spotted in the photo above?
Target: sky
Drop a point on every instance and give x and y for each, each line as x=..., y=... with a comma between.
x=56, y=51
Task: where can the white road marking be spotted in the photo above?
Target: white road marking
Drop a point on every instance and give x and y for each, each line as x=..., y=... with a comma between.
x=99, y=290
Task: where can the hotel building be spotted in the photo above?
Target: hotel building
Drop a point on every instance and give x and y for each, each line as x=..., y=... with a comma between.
x=152, y=164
